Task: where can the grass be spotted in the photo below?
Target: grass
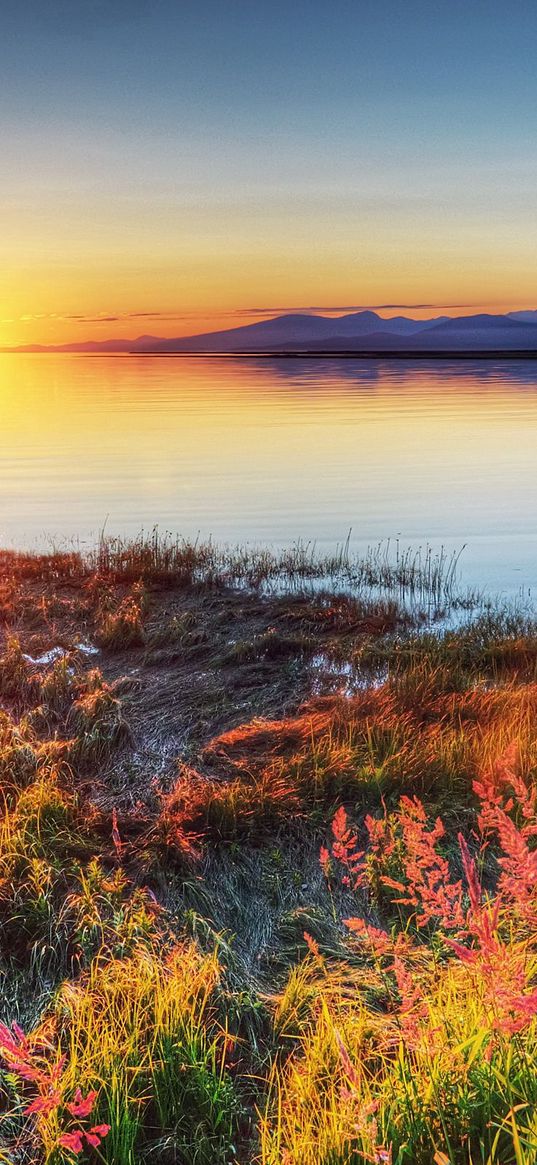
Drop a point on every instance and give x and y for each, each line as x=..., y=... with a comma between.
x=145, y=1032
x=437, y=1101
x=238, y=922
x=424, y=1049
x=422, y=574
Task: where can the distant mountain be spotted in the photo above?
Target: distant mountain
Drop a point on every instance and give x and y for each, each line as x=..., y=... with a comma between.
x=526, y=317
x=360, y=331
x=463, y=334
x=89, y=346
x=293, y=329
x=481, y=332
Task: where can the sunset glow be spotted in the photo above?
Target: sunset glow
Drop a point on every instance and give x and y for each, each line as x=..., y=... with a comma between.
x=385, y=162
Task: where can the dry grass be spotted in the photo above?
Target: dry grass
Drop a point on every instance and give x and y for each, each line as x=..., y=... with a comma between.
x=423, y=575
x=161, y=820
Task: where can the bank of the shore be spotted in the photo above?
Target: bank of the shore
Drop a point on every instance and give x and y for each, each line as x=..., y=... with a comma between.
x=209, y=762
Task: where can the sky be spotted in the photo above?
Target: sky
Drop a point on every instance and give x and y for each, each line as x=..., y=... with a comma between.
x=173, y=166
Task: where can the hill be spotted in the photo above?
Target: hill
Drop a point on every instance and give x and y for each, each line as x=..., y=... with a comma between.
x=362, y=331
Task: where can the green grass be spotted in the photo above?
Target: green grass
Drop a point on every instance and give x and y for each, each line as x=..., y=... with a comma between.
x=165, y=921
x=145, y=1032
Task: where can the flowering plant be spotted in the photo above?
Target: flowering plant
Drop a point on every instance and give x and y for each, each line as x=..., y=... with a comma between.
x=38, y=1068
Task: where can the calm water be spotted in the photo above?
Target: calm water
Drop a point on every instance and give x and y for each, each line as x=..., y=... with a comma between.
x=272, y=451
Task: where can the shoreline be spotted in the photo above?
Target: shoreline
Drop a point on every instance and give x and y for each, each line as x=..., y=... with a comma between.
x=295, y=354
x=346, y=354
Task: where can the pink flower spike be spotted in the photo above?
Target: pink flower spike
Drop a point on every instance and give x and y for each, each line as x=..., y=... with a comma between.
x=346, y=1062
x=43, y=1104
x=12, y=1042
x=72, y=1141
x=313, y=946
x=27, y=1072
x=20, y=1035
x=80, y=1106
x=96, y=1134
x=58, y=1068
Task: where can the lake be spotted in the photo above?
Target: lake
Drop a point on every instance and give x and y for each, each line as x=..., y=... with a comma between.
x=275, y=450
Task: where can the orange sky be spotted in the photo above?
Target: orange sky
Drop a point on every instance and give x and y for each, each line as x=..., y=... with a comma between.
x=69, y=304
x=170, y=168
x=95, y=273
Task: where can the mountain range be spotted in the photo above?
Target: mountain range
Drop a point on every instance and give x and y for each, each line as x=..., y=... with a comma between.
x=363, y=331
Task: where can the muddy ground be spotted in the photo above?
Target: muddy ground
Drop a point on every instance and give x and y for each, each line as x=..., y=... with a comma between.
x=202, y=661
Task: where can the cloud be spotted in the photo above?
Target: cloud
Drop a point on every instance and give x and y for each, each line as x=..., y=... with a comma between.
x=262, y=312
x=100, y=319
x=104, y=319
x=137, y=315
x=330, y=309
x=234, y=315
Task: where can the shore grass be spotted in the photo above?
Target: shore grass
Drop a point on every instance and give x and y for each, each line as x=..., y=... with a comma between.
x=267, y=861
x=420, y=573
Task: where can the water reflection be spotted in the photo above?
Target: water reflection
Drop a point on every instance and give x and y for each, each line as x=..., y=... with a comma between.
x=272, y=450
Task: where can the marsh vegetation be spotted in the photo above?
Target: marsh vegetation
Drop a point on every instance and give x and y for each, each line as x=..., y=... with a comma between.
x=267, y=864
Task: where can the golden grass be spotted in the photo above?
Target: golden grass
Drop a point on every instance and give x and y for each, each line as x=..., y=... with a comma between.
x=111, y=945
x=144, y=1032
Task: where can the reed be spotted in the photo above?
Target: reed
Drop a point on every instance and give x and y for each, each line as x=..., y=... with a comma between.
x=421, y=574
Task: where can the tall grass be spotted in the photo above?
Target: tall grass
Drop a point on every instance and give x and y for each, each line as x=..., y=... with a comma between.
x=416, y=733
x=144, y=1033
x=421, y=574
x=426, y=1050
x=195, y=987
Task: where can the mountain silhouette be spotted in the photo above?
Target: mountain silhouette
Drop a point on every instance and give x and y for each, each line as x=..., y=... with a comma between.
x=362, y=331
x=294, y=329
x=467, y=334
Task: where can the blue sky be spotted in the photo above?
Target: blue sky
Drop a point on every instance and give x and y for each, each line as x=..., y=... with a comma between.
x=159, y=155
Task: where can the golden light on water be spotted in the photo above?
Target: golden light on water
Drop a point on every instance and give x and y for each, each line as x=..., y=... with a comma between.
x=267, y=450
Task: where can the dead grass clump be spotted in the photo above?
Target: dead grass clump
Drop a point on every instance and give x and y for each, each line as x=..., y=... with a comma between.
x=157, y=558
x=493, y=648
x=58, y=905
x=9, y=593
x=518, y=655
x=224, y=811
x=251, y=746
x=381, y=742
x=18, y=757
x=19, y=681
x=178, y=631
x=45, y=815
x=57, y=754
x=123, y=627
x=271, y=645
x=59, y=685
x=346, y=614
x=42, y=567
x=96, y=721
x=176, y=640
